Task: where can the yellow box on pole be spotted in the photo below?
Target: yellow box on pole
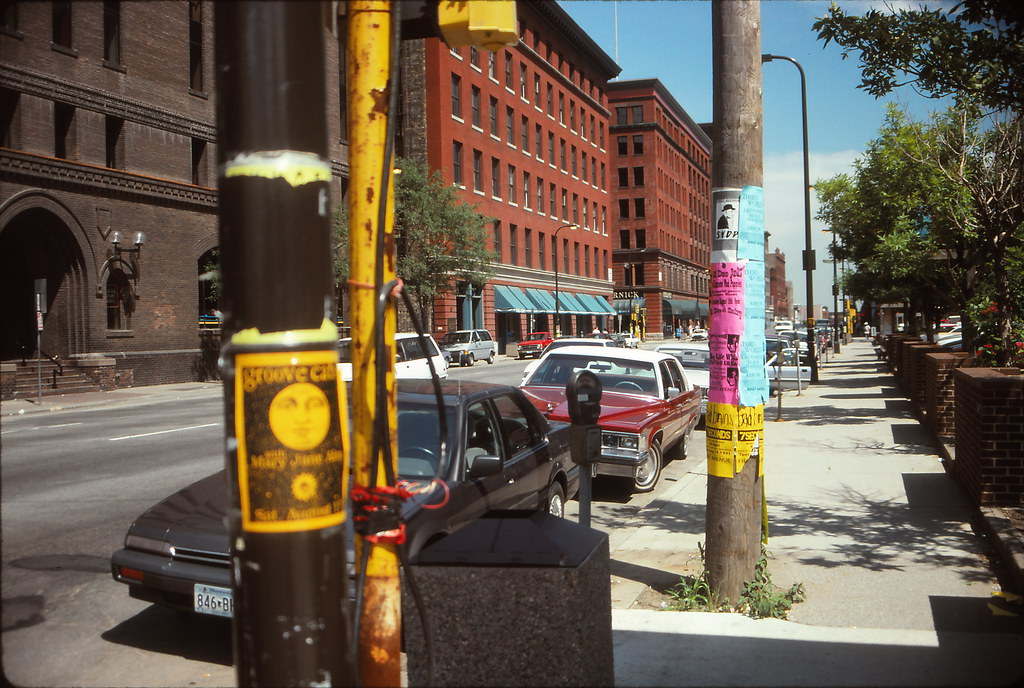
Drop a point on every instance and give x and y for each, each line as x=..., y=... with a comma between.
x=489, y=24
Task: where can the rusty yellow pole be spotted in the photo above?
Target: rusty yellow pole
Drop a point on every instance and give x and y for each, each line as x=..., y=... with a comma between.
x=368, y=53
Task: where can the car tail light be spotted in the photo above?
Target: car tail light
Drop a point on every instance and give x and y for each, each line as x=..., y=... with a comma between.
x=130, y=574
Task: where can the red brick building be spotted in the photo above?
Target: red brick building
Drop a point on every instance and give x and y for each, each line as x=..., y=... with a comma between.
x=661, y=231
x=778, y=303
x=523, y=133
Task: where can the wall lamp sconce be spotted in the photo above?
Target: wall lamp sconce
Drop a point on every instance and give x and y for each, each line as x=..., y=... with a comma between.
x=129, y=264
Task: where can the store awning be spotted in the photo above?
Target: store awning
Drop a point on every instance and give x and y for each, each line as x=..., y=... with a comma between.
x=702, y=309
x=683, y=308
x=511, y=300
x=597, y=305
x=542, y=300
x=626, y=305
x=568, y=303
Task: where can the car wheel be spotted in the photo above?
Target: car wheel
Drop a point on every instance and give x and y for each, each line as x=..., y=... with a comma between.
x=683, y=447
x=556, y=500
x=650, y=470
x=490, y=358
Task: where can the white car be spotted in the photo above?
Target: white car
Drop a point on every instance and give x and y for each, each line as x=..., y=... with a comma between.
x=696, y=361
x=629, y=341
x=787, y=374
x=410, y=359
x=698, y=334
x=563, y=342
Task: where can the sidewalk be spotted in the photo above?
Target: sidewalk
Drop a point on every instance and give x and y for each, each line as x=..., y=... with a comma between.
x=862, y=513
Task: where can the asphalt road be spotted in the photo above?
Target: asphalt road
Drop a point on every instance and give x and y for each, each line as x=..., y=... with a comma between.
x=73, y=480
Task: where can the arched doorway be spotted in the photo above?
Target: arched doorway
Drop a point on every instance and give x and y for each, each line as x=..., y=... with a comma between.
x=37, y=244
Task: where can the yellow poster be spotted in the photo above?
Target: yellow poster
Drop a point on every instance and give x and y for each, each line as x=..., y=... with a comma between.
x=749, y=433
x=720, y=424
x=291, y=440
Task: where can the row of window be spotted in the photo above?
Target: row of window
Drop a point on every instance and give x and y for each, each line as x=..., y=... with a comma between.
x=585, y=259
x=528, y=192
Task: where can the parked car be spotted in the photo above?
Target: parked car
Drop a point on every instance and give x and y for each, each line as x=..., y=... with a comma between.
x=533, y=344
x=501, y=454
x=629, y=341
x=469, y=346
x=695, y=358
x=784, y=373
x=698, y=334
x=783, y=324
x=410, y=358
x=648, y=406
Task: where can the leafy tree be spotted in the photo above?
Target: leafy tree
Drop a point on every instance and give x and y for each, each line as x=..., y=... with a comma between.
x=972, y=51
x=439, y=239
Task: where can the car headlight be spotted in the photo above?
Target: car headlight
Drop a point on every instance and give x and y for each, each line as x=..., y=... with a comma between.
x=625, y=442
x=147, y=544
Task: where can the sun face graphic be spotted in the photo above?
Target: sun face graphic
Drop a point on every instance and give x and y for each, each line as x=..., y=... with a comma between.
x=304, y=486
x=300, y=416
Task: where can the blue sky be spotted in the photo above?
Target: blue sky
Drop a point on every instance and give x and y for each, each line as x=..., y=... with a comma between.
x=671, y=40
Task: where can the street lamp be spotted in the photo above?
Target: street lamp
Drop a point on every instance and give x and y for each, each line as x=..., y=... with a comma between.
x=835, y=294
x=556, y=257
x=808, y=256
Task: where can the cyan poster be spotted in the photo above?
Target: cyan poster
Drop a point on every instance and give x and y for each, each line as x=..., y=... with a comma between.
x=751, y=224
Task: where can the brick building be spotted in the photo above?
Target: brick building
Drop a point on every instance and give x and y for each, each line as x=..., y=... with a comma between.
x=523, y=134
x=779, y=301
x=108, y=129
x=661, y=186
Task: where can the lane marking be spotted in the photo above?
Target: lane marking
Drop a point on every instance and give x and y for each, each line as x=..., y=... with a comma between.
x=163, y=432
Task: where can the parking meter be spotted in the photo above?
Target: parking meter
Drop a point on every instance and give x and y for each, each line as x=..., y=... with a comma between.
x=583, y=394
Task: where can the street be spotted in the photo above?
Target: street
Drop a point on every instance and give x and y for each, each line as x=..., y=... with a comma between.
x=72, y=482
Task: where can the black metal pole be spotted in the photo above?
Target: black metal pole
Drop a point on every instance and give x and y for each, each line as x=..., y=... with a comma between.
x=808, y=254
x=284, y=407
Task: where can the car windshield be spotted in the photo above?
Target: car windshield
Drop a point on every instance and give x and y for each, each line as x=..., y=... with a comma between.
x=456, y=338
x=695, y=360
x=418, y=432
x=622, y=375
x=536, y=336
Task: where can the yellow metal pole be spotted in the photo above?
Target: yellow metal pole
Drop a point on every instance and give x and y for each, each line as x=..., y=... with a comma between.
x=368, y=52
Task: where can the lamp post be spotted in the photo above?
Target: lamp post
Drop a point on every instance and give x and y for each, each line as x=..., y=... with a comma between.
x=835, y=294
x=808, y=255
x=556, y=259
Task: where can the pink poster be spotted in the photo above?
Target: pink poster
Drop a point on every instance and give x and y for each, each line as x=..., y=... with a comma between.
x=726, y=328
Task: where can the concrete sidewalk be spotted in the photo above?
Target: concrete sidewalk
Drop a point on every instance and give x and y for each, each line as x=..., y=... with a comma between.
x=864, y=516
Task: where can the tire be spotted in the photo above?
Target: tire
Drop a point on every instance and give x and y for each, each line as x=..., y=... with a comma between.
x=555, y=500
x=683, y=445
x=490, y=358
x=470, y=360
x=650, y=470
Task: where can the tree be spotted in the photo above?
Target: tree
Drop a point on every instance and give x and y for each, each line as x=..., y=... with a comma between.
x=973, y=51
x=440, y=240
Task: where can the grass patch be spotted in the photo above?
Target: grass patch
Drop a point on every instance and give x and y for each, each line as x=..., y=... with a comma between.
x=760, y=598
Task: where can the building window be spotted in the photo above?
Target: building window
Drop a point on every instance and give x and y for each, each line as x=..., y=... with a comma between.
x=524, y=134
x=474, y=56
x=523, y=83
x=550, y=101
x=512, y=184
x=552, y=200
x=638, y=114
x=492, y=65
x=64, y=138
x=565, y=255
x=575, y=209
x=528, y=247
x=493, y=116
x=623, y=238
x=586, y=261
x=526, y=190
x=541, y=262
x=495, y=178
x=561, y=108
x=456, y=96
x=510, y=126
x=9, y=17
x=61, y=29
x=540, y=196
x=565, y=204
x=576, y=257
x=200, y=176
x=513, y=248
x=638, y=207
x=641, y=238
x=508, y=70
x=572, y=161
x=622, y=115
x=561, y=155
x=478, y=171
x=538, y=141
x=638, y=176
x=593, y=130
x=115, y=143
x=497, y=240
x=583, y=166
x=623, y=145
x=474, y=104
x=120, y=301
x=9, y=101
x=536, y=90
x=572, y=116
x=638, y=144
x=551, y=147
x=112, y=32
x=457, y=163
x=624, y=208
x=623, y=177
x=195, y=46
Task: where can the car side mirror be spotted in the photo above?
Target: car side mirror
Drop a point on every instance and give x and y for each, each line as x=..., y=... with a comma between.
x=485, y=465
x=673, y=392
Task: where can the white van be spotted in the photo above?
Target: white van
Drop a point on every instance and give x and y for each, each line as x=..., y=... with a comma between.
x=469, y=346
x=410, y=359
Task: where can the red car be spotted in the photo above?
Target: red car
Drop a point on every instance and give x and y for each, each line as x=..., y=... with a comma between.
x=648, y=407
x=534, y=344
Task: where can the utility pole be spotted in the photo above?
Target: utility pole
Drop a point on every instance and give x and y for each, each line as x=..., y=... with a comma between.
x=285, y=417
x=735, y=416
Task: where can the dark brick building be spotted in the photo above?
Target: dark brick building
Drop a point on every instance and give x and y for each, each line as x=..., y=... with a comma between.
x=778, y=303
x=108, y=134
x=661, y=185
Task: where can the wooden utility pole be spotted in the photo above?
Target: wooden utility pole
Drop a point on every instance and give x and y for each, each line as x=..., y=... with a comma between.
x=735, y=419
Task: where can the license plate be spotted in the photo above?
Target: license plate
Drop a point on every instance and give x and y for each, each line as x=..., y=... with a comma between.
x=209, y=599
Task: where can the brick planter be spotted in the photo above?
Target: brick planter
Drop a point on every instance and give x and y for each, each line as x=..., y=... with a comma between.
x=989, y=460
x=912, y=380
x=939, y=388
